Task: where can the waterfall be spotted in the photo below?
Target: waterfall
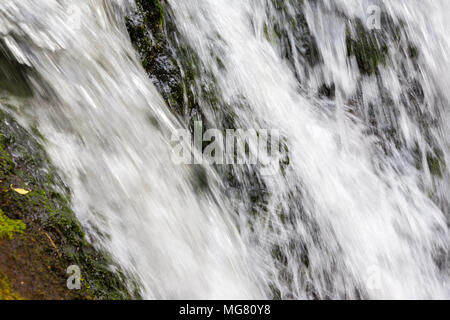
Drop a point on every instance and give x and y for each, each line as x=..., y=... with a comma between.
x=108, y=131
x=359, y=207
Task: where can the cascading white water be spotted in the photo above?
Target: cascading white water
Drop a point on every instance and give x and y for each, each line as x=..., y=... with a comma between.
x=364, y=218
x=107, y=129
x=372, y=216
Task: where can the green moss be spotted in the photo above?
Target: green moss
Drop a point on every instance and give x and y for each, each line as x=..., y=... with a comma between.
x=368, y=48
x=6, y=292
x=9, y=228
x=436, y=165
x=6, y=163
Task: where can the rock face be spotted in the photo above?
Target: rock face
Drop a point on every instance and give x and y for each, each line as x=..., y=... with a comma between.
x=40, y=236
x=175, y=71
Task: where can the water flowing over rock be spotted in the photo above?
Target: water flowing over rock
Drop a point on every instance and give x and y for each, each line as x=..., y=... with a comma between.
x=359, y=207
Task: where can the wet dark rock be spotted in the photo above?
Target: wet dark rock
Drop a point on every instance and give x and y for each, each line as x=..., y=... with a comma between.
x=34, y=262
x=13, y=75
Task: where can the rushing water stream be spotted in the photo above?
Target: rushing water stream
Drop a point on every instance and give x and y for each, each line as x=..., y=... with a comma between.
x=360, y=211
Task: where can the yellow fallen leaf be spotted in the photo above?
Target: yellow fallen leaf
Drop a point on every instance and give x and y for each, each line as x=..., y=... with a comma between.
x=20, y=191
x=53, y=244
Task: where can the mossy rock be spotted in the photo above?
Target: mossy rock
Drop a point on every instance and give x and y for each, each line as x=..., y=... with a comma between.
x=40, y=236
x=9, y=228
x=6, y=291
x=13, y=75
